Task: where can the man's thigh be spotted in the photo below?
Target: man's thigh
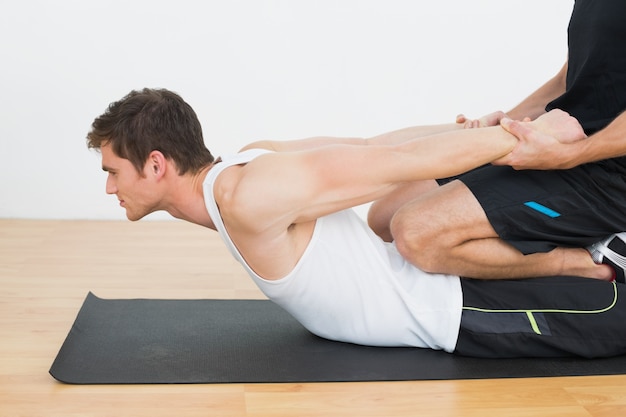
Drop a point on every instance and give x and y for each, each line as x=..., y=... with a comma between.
x=448, y=215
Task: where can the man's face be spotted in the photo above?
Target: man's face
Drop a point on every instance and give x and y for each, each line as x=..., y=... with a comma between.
x=136, y=193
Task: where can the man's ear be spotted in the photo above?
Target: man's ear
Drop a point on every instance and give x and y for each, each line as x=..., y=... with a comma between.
x=156, y=165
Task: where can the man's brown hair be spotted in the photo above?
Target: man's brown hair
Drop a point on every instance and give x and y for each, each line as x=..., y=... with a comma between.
x=152, y=119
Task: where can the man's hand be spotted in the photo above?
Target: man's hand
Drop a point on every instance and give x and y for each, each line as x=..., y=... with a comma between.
x=561, y=125
x=492, y=119
x=544, y=143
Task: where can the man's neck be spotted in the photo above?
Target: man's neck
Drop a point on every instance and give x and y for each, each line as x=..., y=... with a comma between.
x=187, y=202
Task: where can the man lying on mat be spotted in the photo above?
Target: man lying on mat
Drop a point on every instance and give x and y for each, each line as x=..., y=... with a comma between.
x=284, y=211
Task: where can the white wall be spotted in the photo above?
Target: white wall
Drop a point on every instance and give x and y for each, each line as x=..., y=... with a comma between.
x=252, y=69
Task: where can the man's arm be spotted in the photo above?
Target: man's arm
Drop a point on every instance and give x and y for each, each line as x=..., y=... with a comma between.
x=389, y=138
x=289, y=187
x=538, y=150
x=283, y=188
x=531, y=107
x=535, y=104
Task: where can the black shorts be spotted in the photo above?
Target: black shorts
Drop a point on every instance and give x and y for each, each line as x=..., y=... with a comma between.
x=542, y=317
x=536, y=211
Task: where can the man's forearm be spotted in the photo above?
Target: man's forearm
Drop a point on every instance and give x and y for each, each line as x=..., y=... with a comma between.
x=404, y=135
x=534, y=105
x=609, y=142
x=390, y=138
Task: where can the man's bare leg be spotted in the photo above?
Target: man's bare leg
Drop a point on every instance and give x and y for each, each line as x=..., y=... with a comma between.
x=381, y=211
x=447, y=231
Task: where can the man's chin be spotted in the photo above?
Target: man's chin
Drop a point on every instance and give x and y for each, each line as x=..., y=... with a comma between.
x=133, y=217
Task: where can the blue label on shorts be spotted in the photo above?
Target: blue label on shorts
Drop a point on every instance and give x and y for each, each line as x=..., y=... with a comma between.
x=542, y=209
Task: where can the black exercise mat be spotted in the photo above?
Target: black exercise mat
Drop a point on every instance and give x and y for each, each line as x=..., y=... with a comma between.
x=234, y=341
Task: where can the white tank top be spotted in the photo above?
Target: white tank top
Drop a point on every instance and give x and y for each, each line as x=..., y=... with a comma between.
x=351, y=286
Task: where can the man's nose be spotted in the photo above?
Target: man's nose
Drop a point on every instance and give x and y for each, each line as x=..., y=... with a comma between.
x=111, y=188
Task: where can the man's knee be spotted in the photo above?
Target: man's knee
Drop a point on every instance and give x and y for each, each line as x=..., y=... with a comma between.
x=416, y=240
x=429, y=231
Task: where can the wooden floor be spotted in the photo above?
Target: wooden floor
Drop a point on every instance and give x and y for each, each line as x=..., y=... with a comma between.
x=47, y=268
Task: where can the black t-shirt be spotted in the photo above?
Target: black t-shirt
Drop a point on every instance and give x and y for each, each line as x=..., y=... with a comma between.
x=596, y=76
